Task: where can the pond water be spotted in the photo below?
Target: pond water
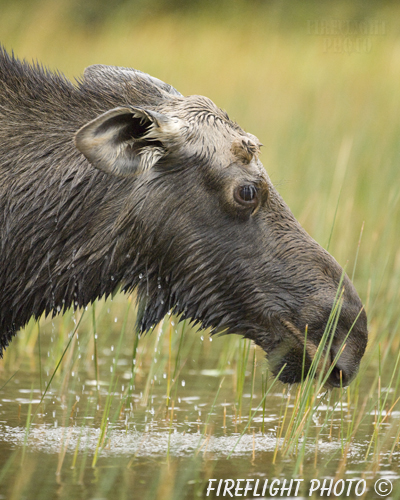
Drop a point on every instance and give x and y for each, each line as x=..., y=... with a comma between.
x=160, y=417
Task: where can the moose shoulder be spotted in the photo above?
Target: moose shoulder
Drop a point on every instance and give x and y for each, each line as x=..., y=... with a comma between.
x=119, y=181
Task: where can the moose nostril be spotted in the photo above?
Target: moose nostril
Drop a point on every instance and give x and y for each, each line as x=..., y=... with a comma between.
x=338, y=377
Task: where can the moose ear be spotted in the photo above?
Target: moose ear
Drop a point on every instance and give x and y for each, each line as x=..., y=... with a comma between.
x=115, y=75
x=128, y=141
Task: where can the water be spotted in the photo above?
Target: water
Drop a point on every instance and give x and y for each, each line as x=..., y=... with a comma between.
x=176, y=423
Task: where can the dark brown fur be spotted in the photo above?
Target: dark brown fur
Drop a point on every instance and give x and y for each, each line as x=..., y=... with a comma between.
x=146, y=197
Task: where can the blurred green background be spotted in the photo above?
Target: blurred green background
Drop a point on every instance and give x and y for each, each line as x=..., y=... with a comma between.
x=317, y=82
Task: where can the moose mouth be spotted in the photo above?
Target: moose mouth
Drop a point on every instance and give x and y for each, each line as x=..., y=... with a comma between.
x=296, y=356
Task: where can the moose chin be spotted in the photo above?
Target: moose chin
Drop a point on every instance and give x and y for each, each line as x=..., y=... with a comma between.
x=119, y=182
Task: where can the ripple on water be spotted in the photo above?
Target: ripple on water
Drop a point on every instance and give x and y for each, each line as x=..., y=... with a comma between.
x=128, y=442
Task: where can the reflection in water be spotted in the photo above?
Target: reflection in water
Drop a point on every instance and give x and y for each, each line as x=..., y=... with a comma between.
x=162, y=419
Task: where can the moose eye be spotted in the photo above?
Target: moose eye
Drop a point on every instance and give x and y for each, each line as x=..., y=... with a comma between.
x=246, y=195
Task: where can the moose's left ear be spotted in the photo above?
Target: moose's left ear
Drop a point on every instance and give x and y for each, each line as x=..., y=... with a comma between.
x=114, y=75
x=128, y=141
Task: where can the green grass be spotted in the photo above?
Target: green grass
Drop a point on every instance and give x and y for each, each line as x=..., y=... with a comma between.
x=329, y=123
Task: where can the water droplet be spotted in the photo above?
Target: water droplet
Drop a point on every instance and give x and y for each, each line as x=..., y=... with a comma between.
x=115, y=320
x=183, y=383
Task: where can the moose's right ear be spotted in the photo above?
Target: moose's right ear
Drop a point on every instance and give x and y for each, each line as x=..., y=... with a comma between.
x=128, y=141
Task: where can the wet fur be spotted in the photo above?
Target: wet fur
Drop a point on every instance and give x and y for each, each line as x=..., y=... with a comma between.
x=70, y=233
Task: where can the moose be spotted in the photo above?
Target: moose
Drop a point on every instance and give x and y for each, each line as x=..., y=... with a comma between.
x=118, y=182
